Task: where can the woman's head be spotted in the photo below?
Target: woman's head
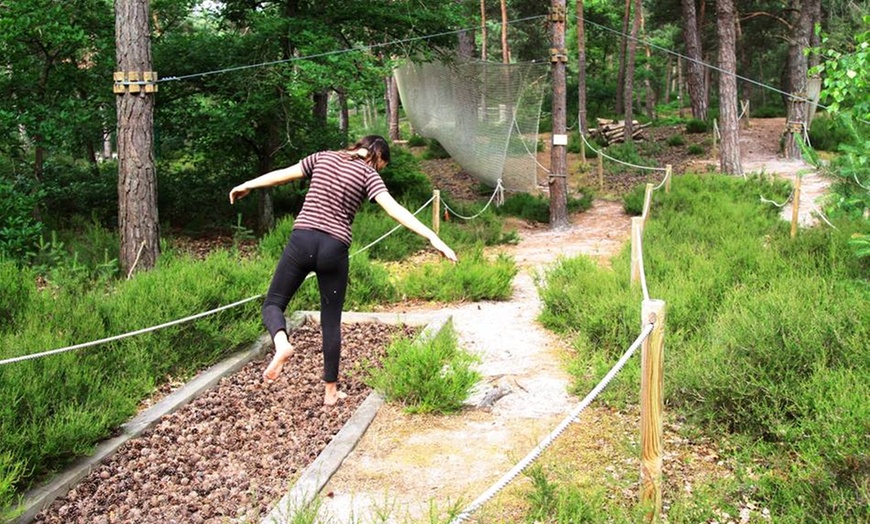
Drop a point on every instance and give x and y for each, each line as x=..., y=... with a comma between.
x=373, y=149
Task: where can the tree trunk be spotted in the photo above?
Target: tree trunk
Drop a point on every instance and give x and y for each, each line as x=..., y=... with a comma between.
x=343, y=114
x=680, y=85
x=629, y=70
x=798, y=64
x=393, y=108
x=466, y=41
x=650, y=92
x=505, y=50
x=729, y=151
x=694, y=69
x=483, y=30
x=321, y=107
x=137, y=181
x=558, y=181
x=581, y=71
x=620, y=72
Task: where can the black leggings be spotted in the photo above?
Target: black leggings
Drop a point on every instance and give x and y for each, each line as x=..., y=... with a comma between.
x=327, y=257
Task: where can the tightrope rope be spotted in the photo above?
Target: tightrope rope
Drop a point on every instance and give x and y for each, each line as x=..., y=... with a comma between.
x=535, y=453
x=497, y=192
x=597, y=152
x=181, y=320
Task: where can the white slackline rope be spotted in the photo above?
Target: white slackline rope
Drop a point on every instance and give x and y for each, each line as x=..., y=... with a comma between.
x=535, y=453
x=597, y=152
x=173, y=322
x=125, y=335
x=787, y=200
x=665, y=179
x=498, y=191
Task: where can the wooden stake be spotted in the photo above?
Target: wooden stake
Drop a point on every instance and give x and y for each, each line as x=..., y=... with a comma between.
x=600, y=171
x=647, y=202
x=669, y=172
x=436, y=211
x=795, y=205
x=652, y=408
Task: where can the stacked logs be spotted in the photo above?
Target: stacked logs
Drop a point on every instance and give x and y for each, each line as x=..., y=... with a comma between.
x=614, y=130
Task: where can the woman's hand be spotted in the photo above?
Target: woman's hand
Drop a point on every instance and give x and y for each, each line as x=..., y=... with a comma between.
x=238, y=192
x=445, y=250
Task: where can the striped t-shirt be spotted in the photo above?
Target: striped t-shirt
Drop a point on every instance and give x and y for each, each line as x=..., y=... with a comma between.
x=338, y=187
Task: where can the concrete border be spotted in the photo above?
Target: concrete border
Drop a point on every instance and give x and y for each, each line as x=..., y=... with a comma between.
x=313, y=478
x=317, y=474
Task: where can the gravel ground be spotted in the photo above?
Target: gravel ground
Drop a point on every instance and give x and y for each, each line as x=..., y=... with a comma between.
x=233, y=452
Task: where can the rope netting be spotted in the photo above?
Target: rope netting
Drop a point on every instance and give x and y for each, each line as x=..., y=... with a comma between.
x=484, y=114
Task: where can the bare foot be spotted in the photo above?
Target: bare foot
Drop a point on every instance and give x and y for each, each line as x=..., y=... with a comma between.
x=274, y=367
x=331, y=398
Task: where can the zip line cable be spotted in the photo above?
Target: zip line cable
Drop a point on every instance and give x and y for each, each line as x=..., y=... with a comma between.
x=335, y=52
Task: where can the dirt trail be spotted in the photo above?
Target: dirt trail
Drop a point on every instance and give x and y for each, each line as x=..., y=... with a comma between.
x=405, y=463
x=406, y=468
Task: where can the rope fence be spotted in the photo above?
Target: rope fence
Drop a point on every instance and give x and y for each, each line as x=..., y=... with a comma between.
x=158, y=327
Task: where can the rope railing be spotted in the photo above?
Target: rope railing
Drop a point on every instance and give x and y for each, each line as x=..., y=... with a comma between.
x=497, y=194
x=601, y=153
x=544, y=444
x=158, y=327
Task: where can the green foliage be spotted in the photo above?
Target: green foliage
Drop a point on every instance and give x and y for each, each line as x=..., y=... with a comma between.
x=826, y=133
x=696, y=126
x=56, y=408
x=766, y=335
x=16, y=288
x=473, y=278
x=769, y=111
x=846, y=76
x=696, y=149
x=427, y=375
x=676, y=140
x=404, y=178
x=536, y=208
x=416, y=141
x=76, y=188
x=18, y=229
x=435, y=150
x=632, y=202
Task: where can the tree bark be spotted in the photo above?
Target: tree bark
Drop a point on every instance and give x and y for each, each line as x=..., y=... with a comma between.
x=321, y=106
x=393, y=107
x=729, y=151
x=558, y=181
x=343, y=114
x=581, y=70
x=466, y=41
x=620, y=72
x=694, y=69
x=505, y=50
x=137, y=181
x=798, y=65
x=483, y=30
x=630, y=53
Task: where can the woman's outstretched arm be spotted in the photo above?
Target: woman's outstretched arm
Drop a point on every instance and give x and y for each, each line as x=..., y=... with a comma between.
x=407, y=219
x=270, y=179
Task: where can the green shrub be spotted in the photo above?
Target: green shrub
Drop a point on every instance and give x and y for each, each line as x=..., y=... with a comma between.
x=676, y=140
x=632, y=202
x=416, y=141
x=435, y=150
x=427, y=375
x=73, y=187
x=17, y=285
x=768, y=111
x=404, y=178
x=826, y=133
x=696, y=149
x=473, y=279
x=696, y=126
x=19, y=231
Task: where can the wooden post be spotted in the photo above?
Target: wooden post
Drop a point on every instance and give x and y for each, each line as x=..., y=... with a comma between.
x=669, y=172
x=600, y=171
x=636, y=239
x=652, y=408
x=558, y=179
x=715, y=138
x=436, y=211
x=795, y=205
x=647, y=201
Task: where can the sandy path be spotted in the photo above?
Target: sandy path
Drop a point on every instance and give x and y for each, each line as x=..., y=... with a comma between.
x=404, y=463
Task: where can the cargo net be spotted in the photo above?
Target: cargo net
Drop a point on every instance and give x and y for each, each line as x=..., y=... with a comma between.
x=484, y=114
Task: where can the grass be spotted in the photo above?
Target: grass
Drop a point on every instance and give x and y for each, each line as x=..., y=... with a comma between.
x=57, y=408
x=426, y=376
x=765, y=352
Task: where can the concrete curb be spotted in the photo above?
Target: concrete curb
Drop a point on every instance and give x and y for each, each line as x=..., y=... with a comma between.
x=315, y=477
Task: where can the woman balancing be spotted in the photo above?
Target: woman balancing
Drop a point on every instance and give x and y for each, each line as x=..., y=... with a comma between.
x=339, y=182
